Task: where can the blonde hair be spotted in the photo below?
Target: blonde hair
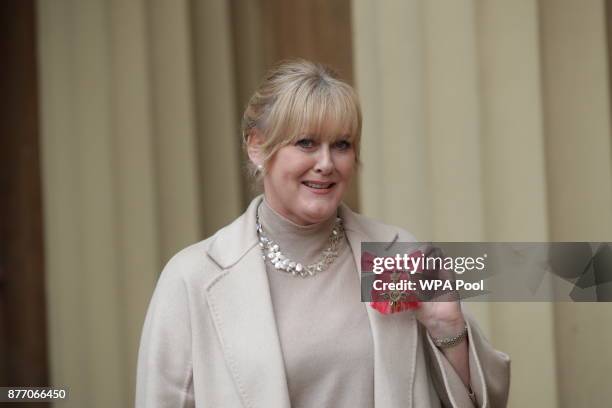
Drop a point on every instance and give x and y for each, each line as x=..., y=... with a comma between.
x=299, y=97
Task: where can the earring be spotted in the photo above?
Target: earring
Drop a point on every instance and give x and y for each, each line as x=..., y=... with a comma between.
x=259, y=169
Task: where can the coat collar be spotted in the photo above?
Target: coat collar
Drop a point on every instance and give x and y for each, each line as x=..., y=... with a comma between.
x=241, y=308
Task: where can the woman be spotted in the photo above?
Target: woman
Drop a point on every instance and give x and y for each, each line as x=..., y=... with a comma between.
x=266, y=312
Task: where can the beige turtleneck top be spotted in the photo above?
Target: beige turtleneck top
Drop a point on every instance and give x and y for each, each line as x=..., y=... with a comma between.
x=323, y=326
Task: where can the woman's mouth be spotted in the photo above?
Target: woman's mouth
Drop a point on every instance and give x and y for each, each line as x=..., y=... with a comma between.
x=318, y=187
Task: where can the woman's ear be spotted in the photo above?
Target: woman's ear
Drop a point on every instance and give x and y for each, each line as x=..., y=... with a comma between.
x=255, y=142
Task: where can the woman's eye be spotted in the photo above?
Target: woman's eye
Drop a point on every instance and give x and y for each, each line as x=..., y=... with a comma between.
x=305, y=143
x=342, y=145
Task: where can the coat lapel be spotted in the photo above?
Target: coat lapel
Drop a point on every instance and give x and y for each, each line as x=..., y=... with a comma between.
x=395, y=335
x=241, y=308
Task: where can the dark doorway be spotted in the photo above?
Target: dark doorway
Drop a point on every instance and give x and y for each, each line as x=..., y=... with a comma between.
x=23, y=332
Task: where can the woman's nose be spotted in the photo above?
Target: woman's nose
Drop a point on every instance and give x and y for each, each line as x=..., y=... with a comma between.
x=324, y=164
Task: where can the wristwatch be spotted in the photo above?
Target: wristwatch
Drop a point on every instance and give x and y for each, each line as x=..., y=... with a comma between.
x=446, y=342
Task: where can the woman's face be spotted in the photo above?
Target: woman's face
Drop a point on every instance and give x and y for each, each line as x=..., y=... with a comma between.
x=305, y=181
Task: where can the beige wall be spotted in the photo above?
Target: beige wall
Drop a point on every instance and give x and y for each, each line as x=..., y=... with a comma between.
x=483, y=120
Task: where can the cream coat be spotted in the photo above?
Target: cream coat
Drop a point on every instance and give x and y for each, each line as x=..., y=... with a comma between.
x=210, y=337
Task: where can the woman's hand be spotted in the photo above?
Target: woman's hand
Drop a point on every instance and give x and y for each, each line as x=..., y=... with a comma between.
x=441, y=319
x=442, y=316
x=437, y=308
x=440, y=312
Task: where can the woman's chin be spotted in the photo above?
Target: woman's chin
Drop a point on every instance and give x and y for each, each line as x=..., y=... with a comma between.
x=320, y=212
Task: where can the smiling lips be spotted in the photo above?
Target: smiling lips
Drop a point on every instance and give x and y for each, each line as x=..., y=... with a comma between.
x=318, y=187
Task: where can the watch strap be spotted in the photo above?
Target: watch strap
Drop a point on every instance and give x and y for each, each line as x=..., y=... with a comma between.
x=446, y=342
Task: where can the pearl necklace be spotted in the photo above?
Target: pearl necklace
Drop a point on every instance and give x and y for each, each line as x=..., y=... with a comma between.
x=272, y=253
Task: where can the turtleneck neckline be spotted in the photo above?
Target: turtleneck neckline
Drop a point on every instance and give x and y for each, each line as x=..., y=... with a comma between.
x=302, y=243
x=279, y=223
